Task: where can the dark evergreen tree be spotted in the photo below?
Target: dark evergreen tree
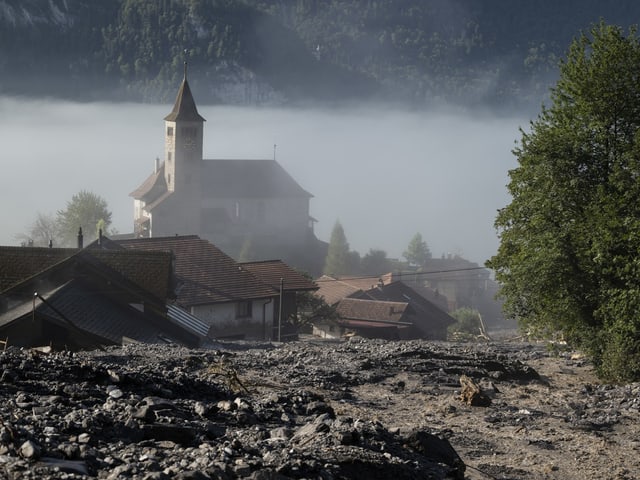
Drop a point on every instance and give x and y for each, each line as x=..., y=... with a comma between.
x=337, y=262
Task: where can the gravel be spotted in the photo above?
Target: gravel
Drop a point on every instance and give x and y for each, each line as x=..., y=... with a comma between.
x=308, y=410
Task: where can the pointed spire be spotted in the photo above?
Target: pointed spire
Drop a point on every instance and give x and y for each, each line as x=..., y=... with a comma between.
x=185, y=106
x=186, y=55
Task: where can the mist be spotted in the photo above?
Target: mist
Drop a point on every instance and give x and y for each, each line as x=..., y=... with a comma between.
x=384, y=173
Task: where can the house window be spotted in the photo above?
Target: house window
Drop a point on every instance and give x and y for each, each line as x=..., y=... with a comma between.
x=169, y=131
x=243, y=309
x=169, y=157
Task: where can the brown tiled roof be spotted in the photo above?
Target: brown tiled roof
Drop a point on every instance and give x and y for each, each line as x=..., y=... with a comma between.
x=151, y=271
x=371, y=310
x=333, y=290
x=365, y=283
x=207, y=273
x=20, y=263
x=399, y=291
x=184, y=107
x=271, y=271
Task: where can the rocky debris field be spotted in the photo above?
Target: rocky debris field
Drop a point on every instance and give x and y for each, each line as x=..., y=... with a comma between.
x=359, y=409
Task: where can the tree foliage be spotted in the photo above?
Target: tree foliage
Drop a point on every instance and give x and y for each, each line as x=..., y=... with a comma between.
x=312, y=308
x=43, y=230
x=417, y=252
x=375, y=262
x=415, y=50
x=467, y=322
x=338, y=258
x=569, y=254
x=85, y=210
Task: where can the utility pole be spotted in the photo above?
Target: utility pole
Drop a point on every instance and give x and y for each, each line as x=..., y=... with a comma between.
x=280, y=310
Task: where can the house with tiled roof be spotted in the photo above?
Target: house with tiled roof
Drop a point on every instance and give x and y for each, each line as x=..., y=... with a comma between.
x=86, y=299
x=379, y=307
x=291, y=283
x=237, y=300
x=332, y=290
x=372, y=319
x=429, y=320
x=239, y=205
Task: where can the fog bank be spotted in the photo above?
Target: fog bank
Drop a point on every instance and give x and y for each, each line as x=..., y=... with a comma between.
x=385, y=173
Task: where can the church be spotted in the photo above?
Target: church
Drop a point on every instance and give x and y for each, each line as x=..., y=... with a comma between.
x=251, y=209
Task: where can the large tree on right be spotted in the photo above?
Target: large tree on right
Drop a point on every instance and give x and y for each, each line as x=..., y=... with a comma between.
x=569, y=255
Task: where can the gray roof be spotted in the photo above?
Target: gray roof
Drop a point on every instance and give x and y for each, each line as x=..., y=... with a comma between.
x=248, y=179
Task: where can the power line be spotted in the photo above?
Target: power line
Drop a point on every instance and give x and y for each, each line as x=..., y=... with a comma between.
x=403, y=274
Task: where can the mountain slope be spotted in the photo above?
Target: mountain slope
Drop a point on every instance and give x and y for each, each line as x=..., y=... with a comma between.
x=486, y=52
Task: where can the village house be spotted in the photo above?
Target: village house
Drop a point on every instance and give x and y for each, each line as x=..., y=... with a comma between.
x=369, y=307
x=236, y=300
x=77, y=299
x=462, y=283
x=291, y=284
x=248, y=208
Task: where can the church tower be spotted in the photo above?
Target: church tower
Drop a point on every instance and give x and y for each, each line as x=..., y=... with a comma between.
x=183, y=142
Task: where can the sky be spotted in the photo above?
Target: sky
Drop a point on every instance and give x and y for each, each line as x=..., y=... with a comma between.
x=384, y=173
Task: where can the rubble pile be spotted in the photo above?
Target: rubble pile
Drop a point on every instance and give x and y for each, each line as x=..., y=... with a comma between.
x=155, y=412
x=303, y=410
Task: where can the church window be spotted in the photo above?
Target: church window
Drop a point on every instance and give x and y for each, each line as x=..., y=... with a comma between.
x=169, y=131
x=243, y=309
x=189, y=132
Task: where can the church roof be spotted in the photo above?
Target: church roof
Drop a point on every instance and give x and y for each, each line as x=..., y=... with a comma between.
x=185, y=106
x=249, y=179
x=153, y=186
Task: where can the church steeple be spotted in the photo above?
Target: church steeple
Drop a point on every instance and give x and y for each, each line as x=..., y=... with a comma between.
x=185, y=106
x=184, y=128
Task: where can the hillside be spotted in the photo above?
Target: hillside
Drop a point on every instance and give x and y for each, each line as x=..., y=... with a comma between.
x=475, y=52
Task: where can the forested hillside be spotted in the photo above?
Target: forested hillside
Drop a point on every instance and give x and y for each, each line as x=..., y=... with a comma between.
x=474, y=52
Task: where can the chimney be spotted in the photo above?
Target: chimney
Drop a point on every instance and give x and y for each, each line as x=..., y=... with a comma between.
x=80, y=238
x=50, y=243
x=99, y=236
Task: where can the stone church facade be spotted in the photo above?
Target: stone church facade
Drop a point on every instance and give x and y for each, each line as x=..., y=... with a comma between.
x=249, y=208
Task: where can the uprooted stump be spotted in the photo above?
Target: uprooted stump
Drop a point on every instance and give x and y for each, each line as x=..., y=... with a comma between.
x=472, y=394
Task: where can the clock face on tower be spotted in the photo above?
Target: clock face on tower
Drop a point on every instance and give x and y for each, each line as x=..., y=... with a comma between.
x=189, y=143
